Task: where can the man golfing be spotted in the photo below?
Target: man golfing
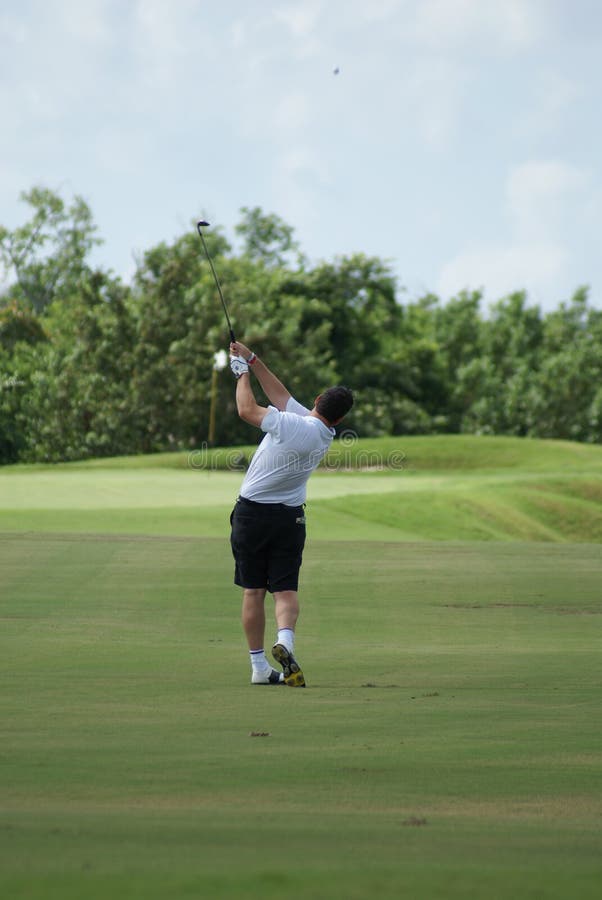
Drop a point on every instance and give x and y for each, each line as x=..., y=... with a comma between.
x=268, y=520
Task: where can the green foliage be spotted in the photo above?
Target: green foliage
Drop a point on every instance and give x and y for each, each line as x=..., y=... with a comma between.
x=566, y=387
x=92, y=367
x=18, y=324
x=78, y=401
x=267, y=238
x=45, y=258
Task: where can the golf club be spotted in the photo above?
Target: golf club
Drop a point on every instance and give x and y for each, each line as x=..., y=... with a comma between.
x=202, y=224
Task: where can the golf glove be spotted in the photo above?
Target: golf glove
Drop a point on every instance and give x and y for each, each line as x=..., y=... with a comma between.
x=239, y=365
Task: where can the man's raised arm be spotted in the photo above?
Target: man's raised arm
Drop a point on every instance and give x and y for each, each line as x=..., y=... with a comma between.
x=273, y=388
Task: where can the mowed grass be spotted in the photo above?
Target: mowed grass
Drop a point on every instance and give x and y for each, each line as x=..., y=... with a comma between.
x=405, y=489
x=447, y=745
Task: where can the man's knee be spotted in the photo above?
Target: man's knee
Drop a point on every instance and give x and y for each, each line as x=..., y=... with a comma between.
x=254, y=595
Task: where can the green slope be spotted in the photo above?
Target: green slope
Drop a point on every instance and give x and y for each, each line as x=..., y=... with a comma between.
x=425, y=488
x=407, y=453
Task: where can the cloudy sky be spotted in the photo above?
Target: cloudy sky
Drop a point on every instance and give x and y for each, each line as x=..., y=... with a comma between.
x=460, y=139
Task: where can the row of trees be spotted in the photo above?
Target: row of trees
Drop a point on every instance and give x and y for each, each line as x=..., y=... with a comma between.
x=90, y=366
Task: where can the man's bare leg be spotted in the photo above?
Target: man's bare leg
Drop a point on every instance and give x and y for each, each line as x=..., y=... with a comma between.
x=286, y=609
x=253, y=622
x=253, y=617
x=287, y=612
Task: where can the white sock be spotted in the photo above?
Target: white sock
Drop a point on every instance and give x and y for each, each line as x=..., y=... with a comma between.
x=286, y=636
x=259, y=660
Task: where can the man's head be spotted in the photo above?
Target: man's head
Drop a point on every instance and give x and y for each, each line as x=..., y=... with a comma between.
x=334, y=404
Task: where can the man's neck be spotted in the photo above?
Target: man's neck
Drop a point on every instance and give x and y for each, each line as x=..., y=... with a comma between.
x=317, y=415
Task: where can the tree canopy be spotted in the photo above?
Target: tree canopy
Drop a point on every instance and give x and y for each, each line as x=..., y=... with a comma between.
x=90, y=366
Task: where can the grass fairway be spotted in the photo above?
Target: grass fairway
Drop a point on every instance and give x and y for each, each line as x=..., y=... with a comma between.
x=448, y=744
x=440, y=488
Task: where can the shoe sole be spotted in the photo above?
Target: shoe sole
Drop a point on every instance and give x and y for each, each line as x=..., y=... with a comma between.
x=293, y=676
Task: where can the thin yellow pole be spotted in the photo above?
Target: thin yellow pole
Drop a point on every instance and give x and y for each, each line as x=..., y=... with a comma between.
x=212, y=405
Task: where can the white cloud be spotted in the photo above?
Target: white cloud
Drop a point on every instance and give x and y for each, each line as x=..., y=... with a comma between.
x=484, y=26
x=543, y=199
x=434, y=94
x=149, y=107
x=292, y=113
x=502, y=269
x=158, y=25
x=55, y=58
x=170, y=43
x=375, y=11
x=303, y=24
x=540, y=194
x=88, y=22
x=238, y=34
x=302, y=161
x=12, y=29
x=300, y=18
x=447, y=25
x=553, y=97
x=297, y=180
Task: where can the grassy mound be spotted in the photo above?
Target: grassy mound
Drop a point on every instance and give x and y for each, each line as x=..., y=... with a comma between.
x=406, y=453
x=421, y=488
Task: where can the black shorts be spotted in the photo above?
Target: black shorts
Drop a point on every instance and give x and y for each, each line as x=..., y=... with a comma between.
x=267, y=543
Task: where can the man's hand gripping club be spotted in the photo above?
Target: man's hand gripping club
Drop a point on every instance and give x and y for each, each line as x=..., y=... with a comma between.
x=273, y=388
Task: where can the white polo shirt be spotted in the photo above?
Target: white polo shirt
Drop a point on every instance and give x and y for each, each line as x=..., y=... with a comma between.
x=294, y=445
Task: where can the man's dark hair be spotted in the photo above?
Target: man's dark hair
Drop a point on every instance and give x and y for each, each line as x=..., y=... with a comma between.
x=335, y=403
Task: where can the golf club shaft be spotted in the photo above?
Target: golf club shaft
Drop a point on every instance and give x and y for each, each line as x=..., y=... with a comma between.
x=217, y=284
